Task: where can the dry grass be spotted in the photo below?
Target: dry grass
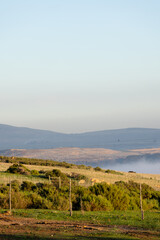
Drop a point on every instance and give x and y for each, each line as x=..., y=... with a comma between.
x=94, y=176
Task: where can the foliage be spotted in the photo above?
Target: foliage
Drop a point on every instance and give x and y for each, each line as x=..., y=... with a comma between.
x=40, y=162
x=34, y=172
x=56, y=173
x=18, y=169
x=113, y=172
x=99, y=197
x=98, y=169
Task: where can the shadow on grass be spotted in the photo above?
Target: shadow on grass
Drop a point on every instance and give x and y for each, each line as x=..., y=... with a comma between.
x=25, y=237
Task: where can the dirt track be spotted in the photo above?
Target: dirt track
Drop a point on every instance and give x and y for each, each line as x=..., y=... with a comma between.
x=12, y=226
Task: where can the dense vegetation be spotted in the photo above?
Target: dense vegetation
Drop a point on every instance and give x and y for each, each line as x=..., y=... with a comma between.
x=118, y=196
x=40, y=162
x=55, y=194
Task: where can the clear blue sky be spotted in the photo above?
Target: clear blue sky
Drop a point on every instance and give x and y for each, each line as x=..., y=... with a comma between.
x=75, y=66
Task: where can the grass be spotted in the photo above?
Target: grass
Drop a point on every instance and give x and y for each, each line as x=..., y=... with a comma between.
x=6, y=177
x=117, y=225
x=152, y=180
x=128, y=218
x=65, y=236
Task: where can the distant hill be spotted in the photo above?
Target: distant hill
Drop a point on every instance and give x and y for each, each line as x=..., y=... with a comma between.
x=121, y=139
x=88, y=156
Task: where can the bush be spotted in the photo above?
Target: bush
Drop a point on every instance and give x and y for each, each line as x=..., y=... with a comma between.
x=96, y=203
x=98, y=169
x=34, y=172
x=37, y=202
x=28, y=186
x=19, y=200
x=18, y=169
x=56, y=173
x=15, y=185
x=113, y=172
x=4, y=201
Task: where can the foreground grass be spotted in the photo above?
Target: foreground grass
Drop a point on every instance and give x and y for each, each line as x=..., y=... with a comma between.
x=63, y=236
x=106, y=225
x=129, y=218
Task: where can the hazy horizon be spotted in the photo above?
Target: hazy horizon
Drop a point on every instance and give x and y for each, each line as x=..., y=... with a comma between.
x=80, y=66
x=100, y=130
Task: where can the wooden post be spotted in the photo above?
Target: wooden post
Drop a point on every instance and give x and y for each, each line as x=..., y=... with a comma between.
x=59, y=182
x=70, y=200
x=81, y=204
x=142, y=212
x=10, y=197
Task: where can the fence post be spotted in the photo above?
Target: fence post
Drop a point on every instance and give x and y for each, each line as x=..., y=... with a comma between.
x=142, y=212
x=10, y=196
x=70, y=200
x=81, y=204
x=59, y=182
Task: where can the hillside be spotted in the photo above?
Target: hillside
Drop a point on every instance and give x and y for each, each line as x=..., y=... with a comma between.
x=92, y=175
x=88, y=156
x=121, y=139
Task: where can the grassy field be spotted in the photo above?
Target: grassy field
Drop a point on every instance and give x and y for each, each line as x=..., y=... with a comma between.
x=49, y=224
x=152, y=180
x=129, y=218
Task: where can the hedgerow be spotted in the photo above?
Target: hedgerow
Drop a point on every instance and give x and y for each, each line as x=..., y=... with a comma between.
x=101, y=196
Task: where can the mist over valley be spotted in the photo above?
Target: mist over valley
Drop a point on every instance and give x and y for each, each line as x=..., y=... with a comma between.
x=133, y=149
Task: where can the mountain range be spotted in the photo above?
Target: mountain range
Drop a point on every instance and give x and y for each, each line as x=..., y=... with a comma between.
x=121, y=139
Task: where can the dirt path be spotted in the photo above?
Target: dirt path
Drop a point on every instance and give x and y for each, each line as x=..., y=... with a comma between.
x=16, y=226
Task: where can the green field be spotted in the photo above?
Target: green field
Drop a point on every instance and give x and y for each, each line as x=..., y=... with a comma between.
x=129, y=218
x=110, y=205
x=89, y=225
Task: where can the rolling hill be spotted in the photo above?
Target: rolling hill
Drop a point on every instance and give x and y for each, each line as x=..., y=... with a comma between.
x=120, y=139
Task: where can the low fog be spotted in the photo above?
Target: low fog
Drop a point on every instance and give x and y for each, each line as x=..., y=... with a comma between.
x=142, y=166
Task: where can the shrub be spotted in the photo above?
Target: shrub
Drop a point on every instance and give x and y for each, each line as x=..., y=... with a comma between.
x=34, y=172
x=19, y=200
x=113, y=172
x=56, y=173
x=15, y=185
x=4, y=201
x=37, y=202
x=18, y=169
x=96, y=203
x=98, y=169
x=28, y=186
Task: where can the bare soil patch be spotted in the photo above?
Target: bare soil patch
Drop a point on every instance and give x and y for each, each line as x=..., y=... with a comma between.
x=12, y=226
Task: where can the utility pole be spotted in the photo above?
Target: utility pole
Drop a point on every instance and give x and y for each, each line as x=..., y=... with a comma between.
x=142, y=212
x=10, y=196
x=70, y=198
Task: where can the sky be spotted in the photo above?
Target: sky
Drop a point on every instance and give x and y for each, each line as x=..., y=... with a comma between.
x=75, y=66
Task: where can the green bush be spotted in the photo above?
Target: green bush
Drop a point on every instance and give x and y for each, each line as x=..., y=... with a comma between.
x=56, y=173
x=34, y=172
x=113, y=172
x=96, y=203
x=4, y=201
x=98, y=169
x=28, y=186
x=18, y=169
x=36, y=201
x=15, y=185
